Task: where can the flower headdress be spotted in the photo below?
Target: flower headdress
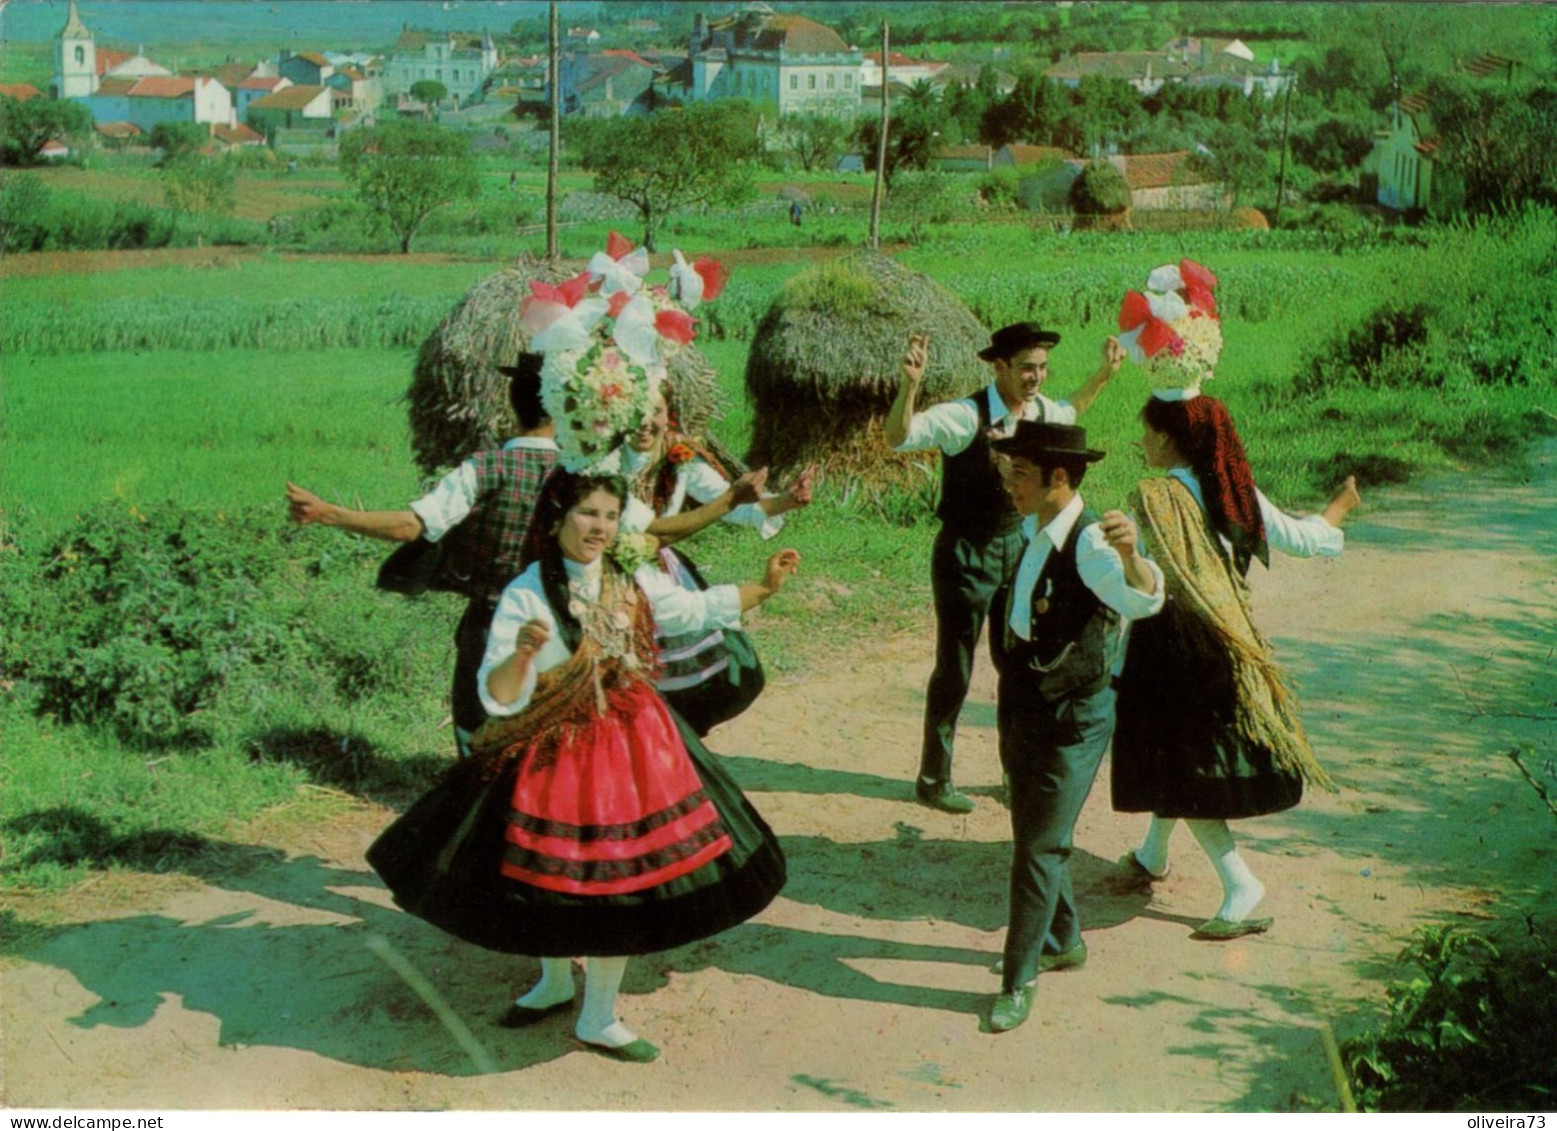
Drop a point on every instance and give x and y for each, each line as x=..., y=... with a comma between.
x=607, y=335
x=1173, y=329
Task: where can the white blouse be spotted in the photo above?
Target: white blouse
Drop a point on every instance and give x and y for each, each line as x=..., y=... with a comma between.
x=676, y=610
x=698, y=480
x=1306, y=537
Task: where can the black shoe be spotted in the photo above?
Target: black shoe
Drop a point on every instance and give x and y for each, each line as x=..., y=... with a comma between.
x=943, y=796
x=1010, y=1009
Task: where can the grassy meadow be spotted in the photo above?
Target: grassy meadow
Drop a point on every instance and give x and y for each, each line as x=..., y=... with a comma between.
x=181, y=398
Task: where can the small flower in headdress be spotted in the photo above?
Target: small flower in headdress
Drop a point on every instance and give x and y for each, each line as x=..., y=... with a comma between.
x=680, y=453
x=620, y=267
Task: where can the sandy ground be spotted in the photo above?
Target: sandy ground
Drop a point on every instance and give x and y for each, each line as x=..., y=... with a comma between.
x=1422, y=655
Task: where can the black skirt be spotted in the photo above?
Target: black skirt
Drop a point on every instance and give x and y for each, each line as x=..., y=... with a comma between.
x=442, y=861
x=1177, y=751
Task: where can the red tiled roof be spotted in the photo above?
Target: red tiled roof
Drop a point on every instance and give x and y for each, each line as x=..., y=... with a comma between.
x=163, y=86
x=54, y=145
x=108, y=59
x=237, y=135
x=118, y=129
x=1117, y=65
x=626, y=54
x=894, y=59
x=230, y=75
x=21, y=91
x=291, y=98
x=1414, y=103
x=313, y=57
x=116, y=87
x=262, y=82
x=353, y=74
x=1158, y=170
x=1489, y=62
x=803, y=36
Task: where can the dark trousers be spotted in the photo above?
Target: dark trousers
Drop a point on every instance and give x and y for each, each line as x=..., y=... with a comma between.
x=964, y=574
x=470, y=644
x=1050, y=752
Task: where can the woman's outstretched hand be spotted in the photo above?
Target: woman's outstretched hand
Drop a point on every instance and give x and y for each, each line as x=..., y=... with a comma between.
x=780, y=566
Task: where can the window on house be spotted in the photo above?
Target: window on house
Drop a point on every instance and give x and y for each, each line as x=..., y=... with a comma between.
x=810, y=82
x=832, y=81
x=794, y=82
x=81, y=54
x=848, y=82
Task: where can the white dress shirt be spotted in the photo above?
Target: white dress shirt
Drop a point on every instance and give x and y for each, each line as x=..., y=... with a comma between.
x=698, y=480
x=676, y=611
x=1306, y=537
x=451, y=501
x=1101, y=569
x=951, y=426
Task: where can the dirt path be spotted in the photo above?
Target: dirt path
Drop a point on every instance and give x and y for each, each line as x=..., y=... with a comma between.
x=860, y=988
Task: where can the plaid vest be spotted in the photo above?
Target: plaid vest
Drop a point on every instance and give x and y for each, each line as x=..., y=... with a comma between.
x=482, y=555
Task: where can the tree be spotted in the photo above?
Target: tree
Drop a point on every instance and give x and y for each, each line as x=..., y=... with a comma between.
x=430, y=91
x=196, y=185
x=175, y=138
x=814, y=140
x=1496, y=142
x=1027, y=114
x=913, y=134
x=1234, y=157
x=702, y=154
x=26, y=126
x=404, y=171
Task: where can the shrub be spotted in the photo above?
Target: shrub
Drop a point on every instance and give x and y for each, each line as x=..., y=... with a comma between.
x=1470, y=1029
x=1101, y=190
x=135, y=620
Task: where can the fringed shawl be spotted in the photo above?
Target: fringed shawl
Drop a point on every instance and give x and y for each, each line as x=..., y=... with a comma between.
x=1199, y=576
x=589, y=684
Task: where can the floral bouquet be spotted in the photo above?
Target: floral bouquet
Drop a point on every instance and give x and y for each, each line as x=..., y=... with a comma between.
x=1172, y=329
x=606, y=336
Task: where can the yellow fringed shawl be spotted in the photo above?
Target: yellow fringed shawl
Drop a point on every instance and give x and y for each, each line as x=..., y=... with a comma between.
x=1199, y=577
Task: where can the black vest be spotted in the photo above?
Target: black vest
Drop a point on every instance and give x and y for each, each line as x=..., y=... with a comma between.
x=1074, y=636
x=974, y=502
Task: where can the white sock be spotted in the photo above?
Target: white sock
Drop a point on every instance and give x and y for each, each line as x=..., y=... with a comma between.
x=1153, y=853
x=1241, y=892
x=555, y=986
x=597, y=1023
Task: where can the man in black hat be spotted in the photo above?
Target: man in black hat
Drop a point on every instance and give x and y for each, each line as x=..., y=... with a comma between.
x=978, y=544
x=1055, y=638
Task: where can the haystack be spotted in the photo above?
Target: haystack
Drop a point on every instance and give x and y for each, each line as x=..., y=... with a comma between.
x=458, y=401
x=824, y=364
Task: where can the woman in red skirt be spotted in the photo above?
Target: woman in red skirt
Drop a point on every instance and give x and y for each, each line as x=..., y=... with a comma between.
x=592, y=821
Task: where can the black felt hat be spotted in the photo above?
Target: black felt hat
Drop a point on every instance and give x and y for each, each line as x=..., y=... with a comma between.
x=1041, y=443
x=1008, y=341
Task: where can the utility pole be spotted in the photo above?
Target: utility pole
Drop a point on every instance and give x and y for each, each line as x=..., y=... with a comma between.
x=1281, y=176
x=552, y=76
x=881, y=149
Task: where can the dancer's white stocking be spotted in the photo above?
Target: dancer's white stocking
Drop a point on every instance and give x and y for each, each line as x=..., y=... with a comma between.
x=1153, y=853
x=555, y=986
x=597, y=1021
x=1241, y=892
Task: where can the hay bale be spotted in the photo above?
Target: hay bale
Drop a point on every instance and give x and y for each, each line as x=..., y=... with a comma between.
x=1250, y=219
x=823, y=367
x=458, y=401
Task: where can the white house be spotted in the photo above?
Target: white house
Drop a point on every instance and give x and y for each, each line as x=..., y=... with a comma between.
x=902, y=69
x=802, y=66
x=462, y=63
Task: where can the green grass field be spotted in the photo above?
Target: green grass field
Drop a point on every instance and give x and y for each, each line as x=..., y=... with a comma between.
x=188, y=419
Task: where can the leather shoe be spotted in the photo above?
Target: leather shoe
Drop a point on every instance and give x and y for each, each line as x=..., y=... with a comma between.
x=519, y=1016
x=1059, y=960
x=1232, y=928
x=1130, y=864
x=1010, y=1009
x=637, y=1051
x=943, y=796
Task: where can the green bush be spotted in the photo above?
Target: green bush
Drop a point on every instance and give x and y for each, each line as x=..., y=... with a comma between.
x=1471, y=1029
x=1101, y=190
x=135, y=620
